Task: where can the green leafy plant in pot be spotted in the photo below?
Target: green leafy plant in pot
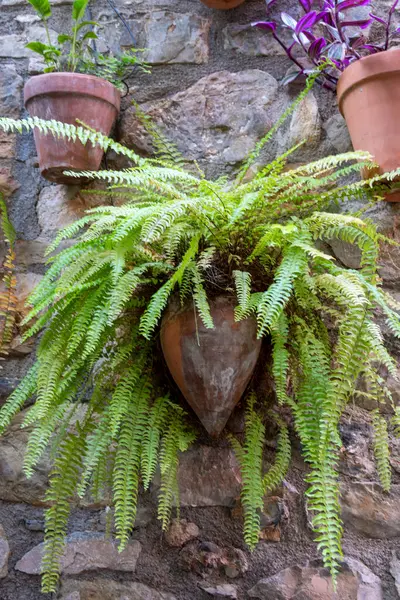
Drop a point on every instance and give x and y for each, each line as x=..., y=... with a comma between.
x=78, y=84
x=179, y=237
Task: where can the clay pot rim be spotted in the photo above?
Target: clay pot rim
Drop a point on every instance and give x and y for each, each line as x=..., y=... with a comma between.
x=369, y=67
x=68, y=83
x=222, y=4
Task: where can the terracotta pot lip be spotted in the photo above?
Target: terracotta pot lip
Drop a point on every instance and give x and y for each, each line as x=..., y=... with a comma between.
x=374, y=66
x=68, y=83
x=221, y=4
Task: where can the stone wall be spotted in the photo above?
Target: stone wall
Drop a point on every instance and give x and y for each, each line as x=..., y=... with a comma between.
x=214, y=90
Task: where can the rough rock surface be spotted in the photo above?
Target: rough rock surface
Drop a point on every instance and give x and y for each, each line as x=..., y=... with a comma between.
x=10, y=91
x=103, y=589
x=14, y=486
x=369, y=510
x=171, y=37
x=206, y=558
x=218, y=119
x=355, y=582
x=225, y=590
x=58, y=206
x=180, y=532
x=395, y=571
x=199, y=470
x=4, y=553
x=85, y=552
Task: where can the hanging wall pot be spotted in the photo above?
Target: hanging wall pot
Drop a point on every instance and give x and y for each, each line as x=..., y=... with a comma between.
x=222, y=4
x=212, y=367
x=369, y=99
x=67, y=97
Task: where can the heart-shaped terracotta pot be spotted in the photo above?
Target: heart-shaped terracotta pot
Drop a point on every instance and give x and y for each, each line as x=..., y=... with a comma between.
x=212, y=367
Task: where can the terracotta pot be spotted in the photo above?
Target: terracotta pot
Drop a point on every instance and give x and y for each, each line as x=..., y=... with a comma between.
x=66, y=97
x=222, y=4
x=212, y=367
x=369, y=99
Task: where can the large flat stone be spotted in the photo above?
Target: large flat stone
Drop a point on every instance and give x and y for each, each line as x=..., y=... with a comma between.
x=171, y=37
x=218, y=119
x=8, y=143
x=10, y=92
x=208, y=477
x=312, y=582
x=305, y=125
x=13, y=46
x=250, y=41
x=105, y=589
x=370, y=511
x=57, y=207
x=85, y=551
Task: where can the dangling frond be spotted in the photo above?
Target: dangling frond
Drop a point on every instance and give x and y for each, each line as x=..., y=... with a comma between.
x=381, y=449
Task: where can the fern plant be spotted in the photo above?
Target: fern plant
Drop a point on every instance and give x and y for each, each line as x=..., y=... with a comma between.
x=8, y=298
x=102, y=298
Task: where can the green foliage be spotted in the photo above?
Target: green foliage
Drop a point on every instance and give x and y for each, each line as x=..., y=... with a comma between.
x=42, y=8
x=74, y=51
x=8, y=298
x=381, y=449
x=101, y=301
x=250, y=456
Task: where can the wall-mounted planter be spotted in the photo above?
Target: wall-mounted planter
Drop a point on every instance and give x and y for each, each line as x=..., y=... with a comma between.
x=66, y=97
x=212, y=367
x=222, y=4
x=369, y=99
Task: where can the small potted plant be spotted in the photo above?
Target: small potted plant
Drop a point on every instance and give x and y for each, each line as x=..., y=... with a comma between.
x=365, y=73
x=78, y=84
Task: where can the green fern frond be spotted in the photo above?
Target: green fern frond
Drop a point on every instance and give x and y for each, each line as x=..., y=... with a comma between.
x=280, y=358
x=63, y=479
x=127, y=465
x=381, y=450
x=177, y=438
x=250, y=458
x=396, y=421
x=243, y=292
x=274, y=477
x=151, y=441
x=200, y=299
x=17, y=399
x=278, y=294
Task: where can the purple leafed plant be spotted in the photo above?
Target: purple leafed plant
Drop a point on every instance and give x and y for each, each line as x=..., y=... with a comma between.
x=327, y=33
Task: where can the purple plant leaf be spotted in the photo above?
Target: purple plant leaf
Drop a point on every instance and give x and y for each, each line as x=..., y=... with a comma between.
x=289, y=21
x=362, y=23
x=372, y=49
x=378, y=19
x=337, y=51
x=266, y=25
x=310, y=36
x=306, y=4
x=351, y=4
x=394, y=6
x=316, y=47
x=358, y=42
x=306, y=22
x=300, y=39
x=333, y=31
x=291, y=76
x=326, y=17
